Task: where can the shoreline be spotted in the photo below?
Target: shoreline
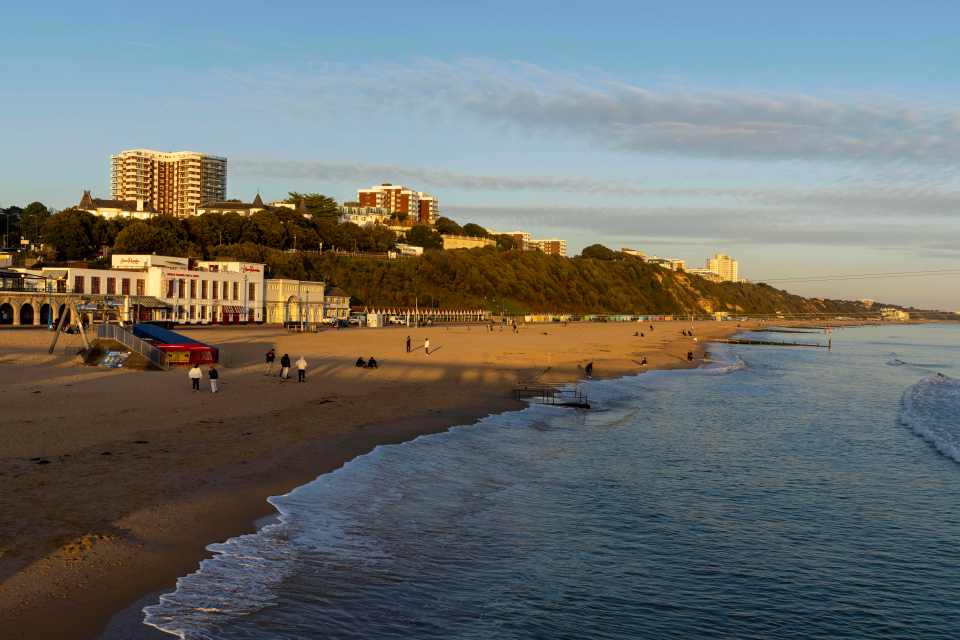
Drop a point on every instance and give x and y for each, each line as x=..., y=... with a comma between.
x=126, y=568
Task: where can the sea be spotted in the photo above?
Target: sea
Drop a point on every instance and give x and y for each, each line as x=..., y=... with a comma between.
x=774, y=493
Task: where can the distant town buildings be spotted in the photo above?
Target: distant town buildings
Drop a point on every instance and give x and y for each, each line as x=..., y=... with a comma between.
x=891, y=314
x=138, y=209
x=725, y=267
x=174, y=183
x=523, y=241
x=415, y=207
x=636, y=253
x=707, y=274
x=550, y=246
x=363, y=216
x=466, y=242
x=668, y=263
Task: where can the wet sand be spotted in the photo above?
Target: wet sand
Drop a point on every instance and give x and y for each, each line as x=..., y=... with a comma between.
x=116, y=481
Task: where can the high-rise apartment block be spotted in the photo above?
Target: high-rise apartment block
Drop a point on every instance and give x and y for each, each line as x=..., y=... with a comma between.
x=417, y=207
x=725, y=267
x=173, y=183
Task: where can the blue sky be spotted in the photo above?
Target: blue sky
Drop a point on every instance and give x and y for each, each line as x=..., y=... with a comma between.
x=805, y=139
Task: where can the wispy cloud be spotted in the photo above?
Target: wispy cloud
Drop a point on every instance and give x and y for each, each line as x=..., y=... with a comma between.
x=858, y=200
x=650, y=120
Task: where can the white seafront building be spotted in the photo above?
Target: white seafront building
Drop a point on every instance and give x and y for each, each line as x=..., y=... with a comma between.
x=170, y=288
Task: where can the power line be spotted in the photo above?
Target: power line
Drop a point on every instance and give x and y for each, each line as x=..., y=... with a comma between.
x=868, y=276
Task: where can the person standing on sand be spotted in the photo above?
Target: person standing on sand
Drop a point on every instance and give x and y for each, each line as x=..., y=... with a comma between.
x=214, y=377
x=195, y=375
x=589, y=369
x=426, y=346
x=301, y=370
x=285, y=367
x=270, y=357
x=408, y=344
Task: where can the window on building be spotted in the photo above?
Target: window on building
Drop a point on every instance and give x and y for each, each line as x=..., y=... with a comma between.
x=95, y=284
x=78, y=284
x=251, y=291
x=203, y=312
x=203, y=289
x=141, y=287
x=236, y=290
x=171, y=287
x=125, y=286
x=111, y=286
x=181, y=290
x=193, y=311
x=193, y=288
x=215, y=290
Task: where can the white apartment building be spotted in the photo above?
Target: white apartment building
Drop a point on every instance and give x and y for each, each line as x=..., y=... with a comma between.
x=636, y=253
x=173, y=183
x=725, y=267
x=201, y=293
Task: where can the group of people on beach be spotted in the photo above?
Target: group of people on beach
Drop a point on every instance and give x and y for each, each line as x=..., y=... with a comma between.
x=426, y=345
x=196, y=375
x=370, y=363
x=301, y=364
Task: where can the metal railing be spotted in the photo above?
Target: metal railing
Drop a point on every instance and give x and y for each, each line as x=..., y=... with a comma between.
x=132, y=342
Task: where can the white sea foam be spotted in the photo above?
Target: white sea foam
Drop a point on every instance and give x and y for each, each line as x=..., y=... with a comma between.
x=931, y=408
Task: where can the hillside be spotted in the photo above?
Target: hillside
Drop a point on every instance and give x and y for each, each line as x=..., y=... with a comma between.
x=531, y=281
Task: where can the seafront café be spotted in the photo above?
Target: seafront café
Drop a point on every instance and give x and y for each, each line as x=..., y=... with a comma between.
x=170, y=288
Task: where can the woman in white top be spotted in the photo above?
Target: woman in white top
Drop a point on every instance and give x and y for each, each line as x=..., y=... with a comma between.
x=195, y=375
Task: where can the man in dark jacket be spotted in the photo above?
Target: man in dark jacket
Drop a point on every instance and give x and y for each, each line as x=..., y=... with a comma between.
x=285, y=367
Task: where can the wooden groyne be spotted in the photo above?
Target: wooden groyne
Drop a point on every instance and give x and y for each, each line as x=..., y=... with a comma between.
x=771, y=343
x=545, y=394
x=786, y=331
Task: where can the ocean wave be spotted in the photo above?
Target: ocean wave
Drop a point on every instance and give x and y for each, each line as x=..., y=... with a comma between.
x=931, y=408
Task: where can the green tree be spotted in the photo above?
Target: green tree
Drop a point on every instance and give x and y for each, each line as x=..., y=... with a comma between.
x=315, y=204
x=423, y=236
x=447, y=226
x=599, y=252
x=475, y=230
x=71, y=234
x=143, y=237
x=32, y=220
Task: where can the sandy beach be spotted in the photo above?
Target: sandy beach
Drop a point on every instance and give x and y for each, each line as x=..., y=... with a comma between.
x=115, y=481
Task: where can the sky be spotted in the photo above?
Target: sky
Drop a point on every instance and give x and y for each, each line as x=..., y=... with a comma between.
x=808, y=139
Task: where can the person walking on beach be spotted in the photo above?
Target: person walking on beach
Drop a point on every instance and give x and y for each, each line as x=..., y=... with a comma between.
x=285, y=367
x=214, y=377
x=270, y=357
x=589, y=369
x=426, y=346
x=195, y=375
x=408, y=344
x=301, y=370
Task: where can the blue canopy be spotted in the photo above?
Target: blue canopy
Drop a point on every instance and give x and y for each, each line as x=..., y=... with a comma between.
x=148, y=331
